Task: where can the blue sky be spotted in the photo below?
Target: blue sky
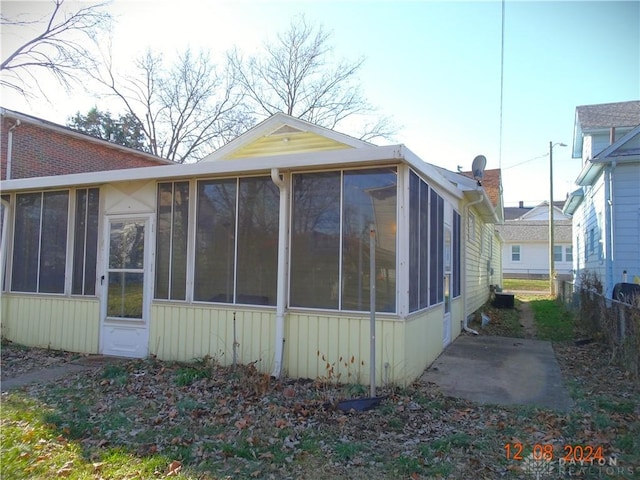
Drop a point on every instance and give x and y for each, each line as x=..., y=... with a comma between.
x=435, y=67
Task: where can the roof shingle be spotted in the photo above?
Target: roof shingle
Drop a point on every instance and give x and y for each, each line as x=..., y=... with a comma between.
x=608, y=115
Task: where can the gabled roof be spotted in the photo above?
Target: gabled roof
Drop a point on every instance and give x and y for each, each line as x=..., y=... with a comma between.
x=625, y=149
x=70, y=132
x=283, y=134
x=603, y=117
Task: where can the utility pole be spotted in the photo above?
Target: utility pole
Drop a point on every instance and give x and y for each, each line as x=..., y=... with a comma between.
x=552, y=284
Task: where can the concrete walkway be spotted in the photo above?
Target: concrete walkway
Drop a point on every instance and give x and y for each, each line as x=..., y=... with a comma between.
x=527, y=320
x=51, y=374
x=501, y=370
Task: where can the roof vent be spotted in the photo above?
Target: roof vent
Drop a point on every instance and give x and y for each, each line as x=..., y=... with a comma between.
x=285, y=129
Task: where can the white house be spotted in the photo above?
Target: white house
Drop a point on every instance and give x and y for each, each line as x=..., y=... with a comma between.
x=606, y=206
x=525, y=251
x=261, y=252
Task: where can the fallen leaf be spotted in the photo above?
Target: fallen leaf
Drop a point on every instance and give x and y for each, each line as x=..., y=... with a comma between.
x=174, y=468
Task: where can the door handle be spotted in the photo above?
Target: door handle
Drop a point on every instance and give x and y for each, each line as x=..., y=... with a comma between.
x=101, y=279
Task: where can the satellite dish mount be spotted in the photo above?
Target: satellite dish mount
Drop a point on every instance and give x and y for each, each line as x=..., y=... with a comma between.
x=477, y=168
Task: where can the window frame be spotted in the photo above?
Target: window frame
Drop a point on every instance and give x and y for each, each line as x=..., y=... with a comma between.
x=515, y=253
x=557, y=253
x=568, y=253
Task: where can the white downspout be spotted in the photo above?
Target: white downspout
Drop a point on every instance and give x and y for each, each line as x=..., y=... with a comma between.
x=281, y=295
x=3, y=240
x=467, y=208
x=608, y=227
x=10, y=147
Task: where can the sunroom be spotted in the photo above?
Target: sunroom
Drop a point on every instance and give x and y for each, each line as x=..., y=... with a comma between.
x=259, y=254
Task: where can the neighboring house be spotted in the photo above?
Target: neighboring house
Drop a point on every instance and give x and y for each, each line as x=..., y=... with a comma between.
x=525, y=251
x=606, y=206
x=32, y=147
x=260, y=252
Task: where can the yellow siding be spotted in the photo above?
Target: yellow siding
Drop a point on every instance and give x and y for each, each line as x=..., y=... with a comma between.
x=457, y=316
x=423, y=340
x=478, y=276
x=337, y=336
x=60, y=323
x=496, y=261
x=185, y=332
x=296, y=143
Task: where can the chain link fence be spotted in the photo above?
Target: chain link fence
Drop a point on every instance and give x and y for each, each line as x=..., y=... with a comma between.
x=610, y=321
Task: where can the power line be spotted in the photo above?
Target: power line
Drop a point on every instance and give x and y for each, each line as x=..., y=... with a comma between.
x=526, y=161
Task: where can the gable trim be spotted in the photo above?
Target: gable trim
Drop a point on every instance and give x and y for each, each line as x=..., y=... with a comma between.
x=272, y=125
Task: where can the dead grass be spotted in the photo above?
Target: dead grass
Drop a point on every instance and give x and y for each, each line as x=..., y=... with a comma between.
x=151, y=419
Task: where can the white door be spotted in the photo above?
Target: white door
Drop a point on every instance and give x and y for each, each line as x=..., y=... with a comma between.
x=126, y=287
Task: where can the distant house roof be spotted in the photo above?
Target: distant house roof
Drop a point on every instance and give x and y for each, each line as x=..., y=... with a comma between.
x=520, y=213
x=513, y=213
x=607, y=115
x=603, y=117
x=528, y=232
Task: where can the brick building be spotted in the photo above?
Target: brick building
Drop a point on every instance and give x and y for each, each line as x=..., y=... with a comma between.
x=32, y=147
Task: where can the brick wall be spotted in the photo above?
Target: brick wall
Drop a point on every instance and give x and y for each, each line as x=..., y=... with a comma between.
x=40, y=151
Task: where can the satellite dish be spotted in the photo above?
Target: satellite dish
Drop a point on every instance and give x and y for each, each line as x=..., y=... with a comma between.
x=477, y=168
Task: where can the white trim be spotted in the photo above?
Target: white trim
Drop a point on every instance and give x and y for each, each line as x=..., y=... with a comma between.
x=275, y=122
x=293, y=162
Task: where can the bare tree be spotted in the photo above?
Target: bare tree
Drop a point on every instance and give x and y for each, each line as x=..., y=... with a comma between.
x=294, y=75
x=187, y=110
x=61, y=44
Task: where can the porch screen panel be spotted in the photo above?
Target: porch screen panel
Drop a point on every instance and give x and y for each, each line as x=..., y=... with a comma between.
x=171, y=240
x=436, y=245
x=257, y=262
x=26, y=250
x=414, y=242
x=40, y=247
x=215, y=241
x=424, y=245
x=85, y=243
x=53, y=253
x=315, y=240
x=369, y=197
x=456, y=255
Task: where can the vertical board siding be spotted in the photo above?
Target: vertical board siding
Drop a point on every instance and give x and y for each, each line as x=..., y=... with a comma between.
x=189, y=332
x=310, y=337
x=457, y=317
x=476, y=276
x=60, y=323
x=626, y=221
x=423, y=341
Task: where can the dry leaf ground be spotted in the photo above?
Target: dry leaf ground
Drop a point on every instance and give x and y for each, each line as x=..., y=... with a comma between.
x=204, y=421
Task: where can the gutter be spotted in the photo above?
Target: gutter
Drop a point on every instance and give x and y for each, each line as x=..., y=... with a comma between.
x=10, y=147
x=3, y=240
x=283, y=239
